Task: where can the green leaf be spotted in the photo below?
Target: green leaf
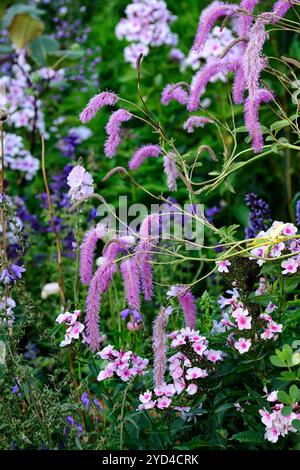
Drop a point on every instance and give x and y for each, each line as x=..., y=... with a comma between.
x=276, y=361
x=279, y=125
x=61, y=59
x=296, y=359
x=294, y=393
x=296, y=424
x=286, y=410
x=253, y=437
x=41, y=47
x=24, y=28
x=17, y=10
x=284, y=397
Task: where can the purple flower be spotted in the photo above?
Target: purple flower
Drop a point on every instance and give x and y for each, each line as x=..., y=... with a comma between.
x=174, y=92
x=170, y=170
x=113, y=129
x=85, y=400
x=259, y=215
x=124, y=313
x=106, y=98
x=142, y=154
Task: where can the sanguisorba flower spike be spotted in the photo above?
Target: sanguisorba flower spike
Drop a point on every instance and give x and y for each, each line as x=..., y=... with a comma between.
x=105, y=98
x=113, y=129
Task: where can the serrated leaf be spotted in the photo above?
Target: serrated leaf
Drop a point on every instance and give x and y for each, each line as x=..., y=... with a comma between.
x=24, y=28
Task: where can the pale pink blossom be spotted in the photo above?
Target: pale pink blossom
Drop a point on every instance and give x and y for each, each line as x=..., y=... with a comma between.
x=242, y=345
x=223, y=266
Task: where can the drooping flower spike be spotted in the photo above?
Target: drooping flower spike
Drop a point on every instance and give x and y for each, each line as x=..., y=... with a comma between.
x=170, y=170
x=113, y=129
x=105, y=98
x=142, y=154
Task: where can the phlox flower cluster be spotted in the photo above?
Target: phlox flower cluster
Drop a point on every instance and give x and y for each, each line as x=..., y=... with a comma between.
x=17, y=157
x=73, y=327
x=187, y=368
x=275, y=423
x=125, y=365
x=273, y=243
x=147, y=24
x=236, y=318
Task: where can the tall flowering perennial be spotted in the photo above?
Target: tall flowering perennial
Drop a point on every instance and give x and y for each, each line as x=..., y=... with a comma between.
x=147, y=24
x=247, y=63
x=159, y=341
x=186, y=371
x=113, y=129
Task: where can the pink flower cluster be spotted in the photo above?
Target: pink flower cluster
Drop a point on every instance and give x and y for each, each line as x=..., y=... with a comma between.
x=74, y=327
x=275, y=423
x=187, y=367
x=236, y=318
x=125, y=365
x=147, y=24
x=274, y=243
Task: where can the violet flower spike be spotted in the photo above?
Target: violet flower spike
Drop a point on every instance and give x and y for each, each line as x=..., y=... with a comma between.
x=187, y=302
x=105, y=98
x=159, y=341
x=142, y=154
x=87, y=250
x=208, y=18
x=113, y=129
x=130, y=273
x=173, y=92
x=195, y=121
x=170, y=170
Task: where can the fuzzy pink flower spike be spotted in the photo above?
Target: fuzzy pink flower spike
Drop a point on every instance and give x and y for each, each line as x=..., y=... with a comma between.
x=87, y=250
x=130, y=274
x=159, y=341
x=142, y=154
x=106, y=98
x=173, y=92
x=113, y=129
x=187, y=302
x=148, y=240
x=209, y=17
x=170, y=170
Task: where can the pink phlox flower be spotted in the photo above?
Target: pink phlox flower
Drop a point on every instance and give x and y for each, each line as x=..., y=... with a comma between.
x=290, y=266
x=289, y=229
x=74, y=330
x=223, y=266
x=195, y=373
x=108, y=352
x=163, y=402
x=262, y=287
x=145, y=397
x=270, y=308
x=191, y=389
x=213, y=355
x=242, y=345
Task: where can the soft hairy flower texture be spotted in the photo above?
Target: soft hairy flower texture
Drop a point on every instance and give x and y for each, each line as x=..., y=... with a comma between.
x=148, y=240
x=208, y=18
x=159, y=341
x=130, y=273
x=170, y=170
x=87, y=250
x=142, y=154
x=195, y=121
x=174, y=92
x=188, y=304
x=105, y=98
x=205, y=75
x=113, y=129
